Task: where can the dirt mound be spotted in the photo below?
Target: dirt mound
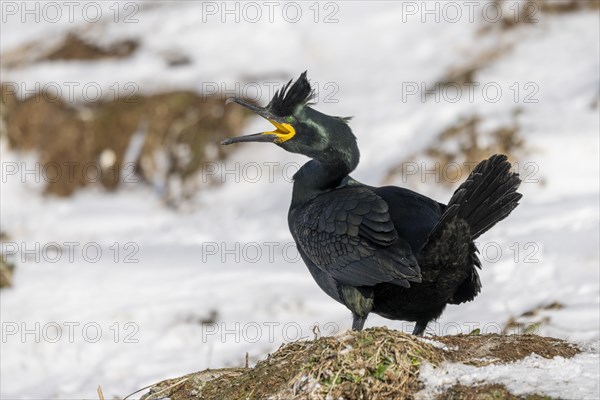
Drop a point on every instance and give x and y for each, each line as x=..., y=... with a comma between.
x=377, y=363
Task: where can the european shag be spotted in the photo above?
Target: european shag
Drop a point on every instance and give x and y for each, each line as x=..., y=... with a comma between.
x=383, y=250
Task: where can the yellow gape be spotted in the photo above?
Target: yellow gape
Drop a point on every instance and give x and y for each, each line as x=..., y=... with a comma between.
x=284, y=132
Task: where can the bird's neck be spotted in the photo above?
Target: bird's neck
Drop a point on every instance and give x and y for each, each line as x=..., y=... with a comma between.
x=323, y=174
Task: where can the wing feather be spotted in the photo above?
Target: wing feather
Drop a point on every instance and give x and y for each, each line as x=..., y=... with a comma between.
x=349, y=234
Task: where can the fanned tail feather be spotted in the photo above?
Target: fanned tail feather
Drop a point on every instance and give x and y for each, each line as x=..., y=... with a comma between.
x=487, y=197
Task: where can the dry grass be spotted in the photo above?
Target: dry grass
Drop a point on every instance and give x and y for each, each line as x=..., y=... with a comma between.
x=567, y=6
x=530, y=321
x=72, y=47
x=83, y=134
x=532, y=12
x=377, y=363
x=465, y=73
x=466, y=143
x=471, y=144
x=6, y=268
x=373, y=364
x=6, y=272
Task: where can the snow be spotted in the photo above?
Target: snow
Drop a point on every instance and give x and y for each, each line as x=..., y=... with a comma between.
x=575, y=378
x=185, y=264
x=436, y=344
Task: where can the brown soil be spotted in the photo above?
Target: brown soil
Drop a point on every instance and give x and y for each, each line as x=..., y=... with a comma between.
x=494, y=348
x=484, y=392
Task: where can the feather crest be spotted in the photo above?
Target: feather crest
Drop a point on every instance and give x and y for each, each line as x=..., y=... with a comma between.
x=290, y=96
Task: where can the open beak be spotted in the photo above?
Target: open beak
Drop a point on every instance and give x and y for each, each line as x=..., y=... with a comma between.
x=283, y=131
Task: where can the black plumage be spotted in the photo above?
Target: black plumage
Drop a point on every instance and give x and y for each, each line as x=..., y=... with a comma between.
x=290, y=96
x=386, y=250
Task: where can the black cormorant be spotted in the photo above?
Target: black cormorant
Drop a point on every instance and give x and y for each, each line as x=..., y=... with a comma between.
x=383, y=250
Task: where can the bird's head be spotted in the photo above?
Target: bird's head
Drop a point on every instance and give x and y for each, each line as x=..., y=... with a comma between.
x=301, y=129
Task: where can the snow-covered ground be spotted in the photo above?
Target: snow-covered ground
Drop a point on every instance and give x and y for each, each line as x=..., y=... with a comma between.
x=132, y=315
x=561, y=378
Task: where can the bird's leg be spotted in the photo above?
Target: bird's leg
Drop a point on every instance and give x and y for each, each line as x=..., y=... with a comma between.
x=358, y=322
x=420, y=328
x=360, y=302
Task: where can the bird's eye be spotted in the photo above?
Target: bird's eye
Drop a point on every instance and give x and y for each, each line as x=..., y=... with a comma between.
x=290, y=120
